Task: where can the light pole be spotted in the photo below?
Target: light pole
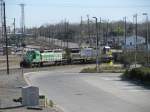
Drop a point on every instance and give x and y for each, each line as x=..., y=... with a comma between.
x=147, y=37
x=97, y=40
x=81, y=32
x=89, y=30
x=125, y=32
x=100, y=26
x=135, y=56
x=107, y=32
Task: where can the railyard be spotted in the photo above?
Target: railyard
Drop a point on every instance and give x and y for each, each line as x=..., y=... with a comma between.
x=74, y=56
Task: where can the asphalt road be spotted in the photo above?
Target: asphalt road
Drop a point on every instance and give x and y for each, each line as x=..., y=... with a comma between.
x=105, y=92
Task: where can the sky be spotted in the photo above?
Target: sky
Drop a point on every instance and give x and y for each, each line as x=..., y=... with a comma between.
x=40, y=12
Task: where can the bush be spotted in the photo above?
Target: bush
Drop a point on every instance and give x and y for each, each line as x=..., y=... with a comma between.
x=128, y=58
x=141, y=74
x=51, y=104
x=103, y=68
x=89, y=70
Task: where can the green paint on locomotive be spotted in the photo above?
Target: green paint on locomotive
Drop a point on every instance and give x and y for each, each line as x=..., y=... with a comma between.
x=36, y=57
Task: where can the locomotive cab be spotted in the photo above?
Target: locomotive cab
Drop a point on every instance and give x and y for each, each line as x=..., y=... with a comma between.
x=31, y=57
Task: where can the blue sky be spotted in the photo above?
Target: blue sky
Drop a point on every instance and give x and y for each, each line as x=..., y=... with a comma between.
x=38, y=12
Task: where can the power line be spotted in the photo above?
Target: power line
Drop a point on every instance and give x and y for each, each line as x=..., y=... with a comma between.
x=86, y=6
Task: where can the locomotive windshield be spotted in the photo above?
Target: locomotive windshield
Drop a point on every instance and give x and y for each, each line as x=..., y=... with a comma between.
x=30, y=55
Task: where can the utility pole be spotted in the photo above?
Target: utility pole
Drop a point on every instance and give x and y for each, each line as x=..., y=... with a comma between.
x=100, y=26
x=118, y=34
x=6, y=39
x=125, y=32
x=49, y=37
x=81, y=32
x=61, y=36
x=14, y=24
x=2, y=18
x=107, y=32
x=97, y=44
x=135, y=55
x=89, y=30
x=67, y=34
x=147, y=36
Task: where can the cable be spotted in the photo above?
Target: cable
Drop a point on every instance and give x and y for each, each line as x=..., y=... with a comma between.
x=85, y=6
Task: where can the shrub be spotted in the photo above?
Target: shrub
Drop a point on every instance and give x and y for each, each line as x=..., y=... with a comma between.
x=141, y=74
x=51, y=104
x=89, y=70
x=103, y=68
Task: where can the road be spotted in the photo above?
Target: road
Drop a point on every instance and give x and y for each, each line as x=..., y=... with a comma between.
x=104, y=92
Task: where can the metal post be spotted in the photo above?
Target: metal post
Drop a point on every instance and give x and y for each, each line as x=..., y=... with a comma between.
x=2, y=20
x=107, y=32
x=135, y=56
x=147, y=41
x=5, y=35
x=99, y=43
x=49, y=41
x=125, y=31
x=89, y=30
x=67, y=34
x=81, y=32
x=97, y=58
x=14, y=26
x=147, y=37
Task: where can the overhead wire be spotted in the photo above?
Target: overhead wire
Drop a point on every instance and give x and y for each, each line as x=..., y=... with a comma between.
x=68, y=5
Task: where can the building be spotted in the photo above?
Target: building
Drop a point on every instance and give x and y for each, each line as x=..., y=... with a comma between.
x=131, y=42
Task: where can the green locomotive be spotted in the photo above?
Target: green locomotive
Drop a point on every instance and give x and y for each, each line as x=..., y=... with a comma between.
x=37, y=58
